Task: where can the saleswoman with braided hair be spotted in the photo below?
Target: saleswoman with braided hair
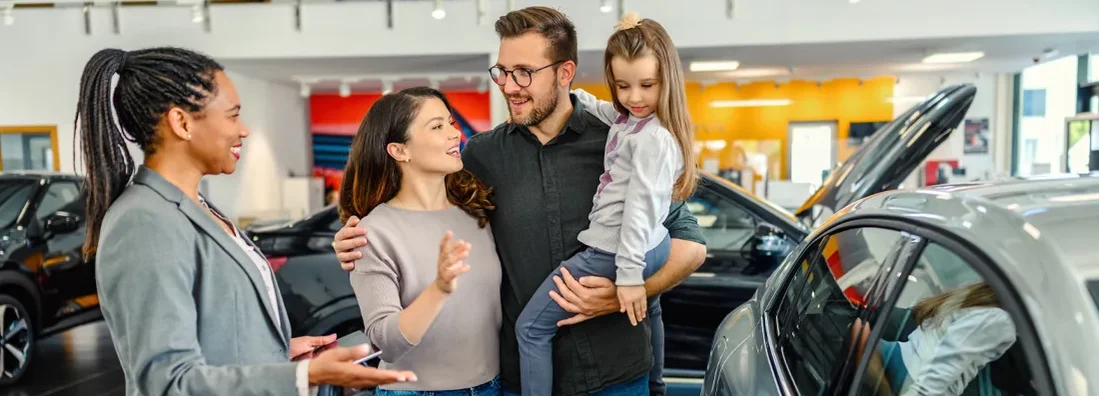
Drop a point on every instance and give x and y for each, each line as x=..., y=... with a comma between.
x=191, y=304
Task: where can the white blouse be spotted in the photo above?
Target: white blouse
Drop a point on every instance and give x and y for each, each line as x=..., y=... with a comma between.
x=942, y=359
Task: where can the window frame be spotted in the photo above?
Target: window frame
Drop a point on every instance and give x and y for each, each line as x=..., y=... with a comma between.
x=1010, y=300
x=813, y=247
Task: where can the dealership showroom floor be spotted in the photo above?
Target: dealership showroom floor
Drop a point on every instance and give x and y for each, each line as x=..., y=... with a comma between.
x=892, y=197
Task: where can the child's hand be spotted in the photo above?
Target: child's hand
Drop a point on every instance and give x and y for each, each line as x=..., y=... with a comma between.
x=633, y=302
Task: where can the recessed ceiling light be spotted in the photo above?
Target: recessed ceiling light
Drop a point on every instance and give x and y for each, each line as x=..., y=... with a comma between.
x=953, y=57
x=714, y=66
x=854, y=1
x=751, y=103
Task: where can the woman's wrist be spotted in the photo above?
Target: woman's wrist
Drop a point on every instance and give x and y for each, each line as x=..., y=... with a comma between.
x=439, y=289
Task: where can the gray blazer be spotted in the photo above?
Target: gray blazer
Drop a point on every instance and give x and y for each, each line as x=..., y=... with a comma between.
x=187, y=309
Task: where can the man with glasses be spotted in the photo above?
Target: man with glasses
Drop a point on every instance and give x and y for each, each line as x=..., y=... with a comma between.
x=544, y=166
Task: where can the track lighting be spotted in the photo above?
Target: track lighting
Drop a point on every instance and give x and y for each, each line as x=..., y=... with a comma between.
x=387, y=87
x=306, y=90
x=606, y=6
x=345, y=89
x=439, y=12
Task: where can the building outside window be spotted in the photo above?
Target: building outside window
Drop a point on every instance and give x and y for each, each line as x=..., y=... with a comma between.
x=1048, y=97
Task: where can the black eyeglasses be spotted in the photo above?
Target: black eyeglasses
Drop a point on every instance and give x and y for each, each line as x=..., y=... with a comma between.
x=521, y=76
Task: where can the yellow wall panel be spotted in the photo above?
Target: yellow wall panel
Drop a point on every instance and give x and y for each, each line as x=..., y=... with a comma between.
x=842, y=100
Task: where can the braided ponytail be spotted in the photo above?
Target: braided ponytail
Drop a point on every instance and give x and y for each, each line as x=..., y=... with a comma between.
x=150, y=82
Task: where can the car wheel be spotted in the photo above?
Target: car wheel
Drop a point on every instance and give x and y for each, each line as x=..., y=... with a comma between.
x=16, y=340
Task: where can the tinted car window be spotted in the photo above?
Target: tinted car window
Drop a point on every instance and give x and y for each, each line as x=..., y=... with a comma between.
x=822, y=300
x=957, y=337
x=57, y=196
x=13, y=196
x=725, y=224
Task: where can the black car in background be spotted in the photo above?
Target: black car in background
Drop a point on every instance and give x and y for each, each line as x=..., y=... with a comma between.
x=746, y=236
x=45, y=285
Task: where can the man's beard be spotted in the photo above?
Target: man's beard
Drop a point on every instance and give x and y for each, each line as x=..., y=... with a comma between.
x=541, y=109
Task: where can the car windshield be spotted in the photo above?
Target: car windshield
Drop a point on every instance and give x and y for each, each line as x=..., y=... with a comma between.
x=875, y=149
x=14, y=194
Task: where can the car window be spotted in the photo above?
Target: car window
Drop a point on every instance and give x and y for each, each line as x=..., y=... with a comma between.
x=57, y=196
x=13, y=197
x=823, y=298
x=945, y=335
x=724, y=223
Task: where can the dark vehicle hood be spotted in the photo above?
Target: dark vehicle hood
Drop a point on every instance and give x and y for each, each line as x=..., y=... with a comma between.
x=891, y=154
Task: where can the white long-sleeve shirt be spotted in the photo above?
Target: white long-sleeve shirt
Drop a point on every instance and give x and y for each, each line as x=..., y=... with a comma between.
x=942, y=359
x=642, y=163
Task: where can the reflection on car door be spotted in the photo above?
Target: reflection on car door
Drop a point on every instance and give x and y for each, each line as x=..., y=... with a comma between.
x=829, y=291
x=695, y=308
x=66, y=273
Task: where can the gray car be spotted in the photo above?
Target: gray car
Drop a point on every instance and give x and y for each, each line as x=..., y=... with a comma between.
x=977, y=289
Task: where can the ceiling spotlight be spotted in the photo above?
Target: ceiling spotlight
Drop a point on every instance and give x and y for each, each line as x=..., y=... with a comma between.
x=853, y=1
x=345, y=89
x=306, y=90
x=606, y=7
x=439, y=12
x=197, y=16
x=5, y=14
x=387, y=87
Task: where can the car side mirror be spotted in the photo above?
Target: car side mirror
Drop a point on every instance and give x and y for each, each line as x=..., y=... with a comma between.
x=62, y=222
x=769, y=246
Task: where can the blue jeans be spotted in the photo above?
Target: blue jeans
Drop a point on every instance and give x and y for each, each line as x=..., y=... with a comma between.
x=637, y=387
x=537, y=325
x=491, y=388
x=895, y=369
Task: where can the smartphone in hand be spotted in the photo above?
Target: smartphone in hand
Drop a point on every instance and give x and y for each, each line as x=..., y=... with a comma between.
x=352, y=340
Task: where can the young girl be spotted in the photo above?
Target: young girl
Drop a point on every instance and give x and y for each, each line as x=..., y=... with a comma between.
x=648, y=164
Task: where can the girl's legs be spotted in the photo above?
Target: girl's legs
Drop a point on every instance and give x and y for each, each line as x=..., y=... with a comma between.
x=654, y=261
x=537, y=324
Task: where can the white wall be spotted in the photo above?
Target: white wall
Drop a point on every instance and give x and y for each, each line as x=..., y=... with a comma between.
x=978, y=166
x=277, y=146
x=359, y=28
x=44, y=93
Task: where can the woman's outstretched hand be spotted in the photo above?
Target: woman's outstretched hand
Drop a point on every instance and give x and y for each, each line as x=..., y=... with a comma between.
x=451, y=264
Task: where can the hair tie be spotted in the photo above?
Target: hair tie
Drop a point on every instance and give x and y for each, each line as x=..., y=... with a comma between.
x=629, y=21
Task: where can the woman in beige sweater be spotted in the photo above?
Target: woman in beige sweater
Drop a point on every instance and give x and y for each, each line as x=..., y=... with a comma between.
x=405, y=180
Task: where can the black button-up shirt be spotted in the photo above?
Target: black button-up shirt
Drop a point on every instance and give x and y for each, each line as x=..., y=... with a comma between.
x=543, y=195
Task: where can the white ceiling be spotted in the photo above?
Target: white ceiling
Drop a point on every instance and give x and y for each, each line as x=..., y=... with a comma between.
x=804, y=61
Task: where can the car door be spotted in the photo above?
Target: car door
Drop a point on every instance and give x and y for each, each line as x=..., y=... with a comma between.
x=826, y=296
x=951, y=306
x=66, y=274
x=729, y=276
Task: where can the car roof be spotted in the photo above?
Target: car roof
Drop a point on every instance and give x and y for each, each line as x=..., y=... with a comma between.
x=1056, y=214
x=38, y=174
